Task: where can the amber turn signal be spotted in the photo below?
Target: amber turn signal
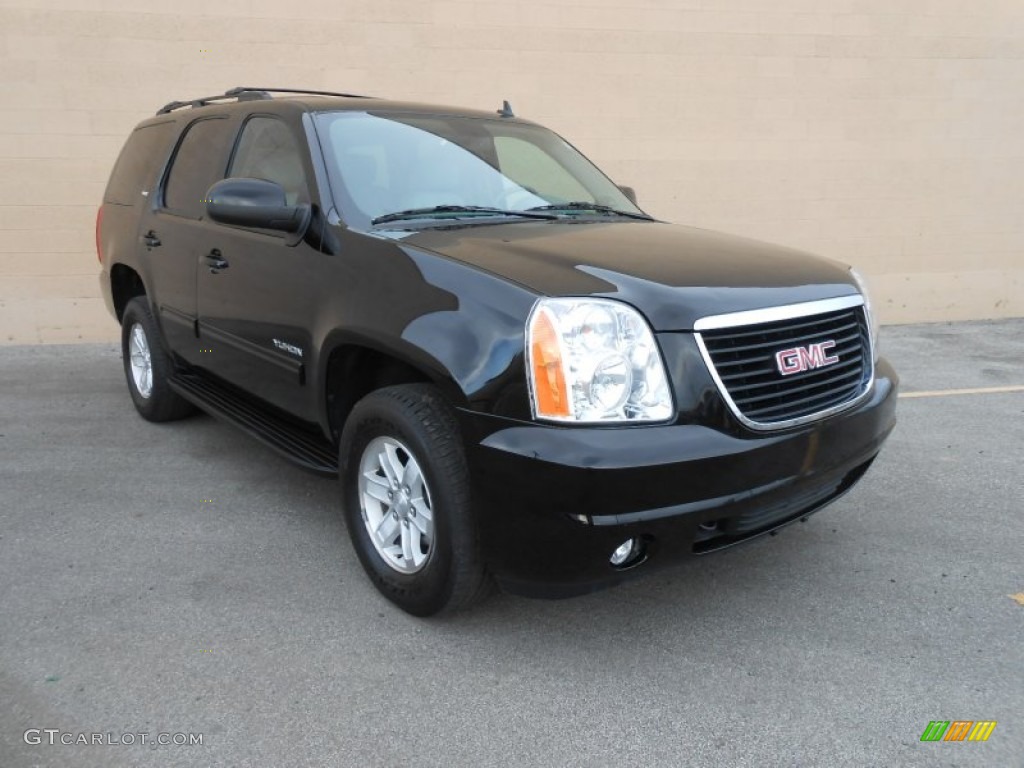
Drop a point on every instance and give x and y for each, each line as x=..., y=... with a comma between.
x=552, y=397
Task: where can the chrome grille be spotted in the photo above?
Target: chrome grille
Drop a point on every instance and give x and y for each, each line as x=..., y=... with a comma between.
x=741, y=354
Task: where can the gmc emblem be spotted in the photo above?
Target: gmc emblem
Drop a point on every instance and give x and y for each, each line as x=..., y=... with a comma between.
x=799, y=359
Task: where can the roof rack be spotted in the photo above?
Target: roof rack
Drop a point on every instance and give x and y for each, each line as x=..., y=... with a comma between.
x=244, y=93
x=241, y=89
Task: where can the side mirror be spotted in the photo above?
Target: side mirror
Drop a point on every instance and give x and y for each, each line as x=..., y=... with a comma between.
x=628, y=192
x=254, y=203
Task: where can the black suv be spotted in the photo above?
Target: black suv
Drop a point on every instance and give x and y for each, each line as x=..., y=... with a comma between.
x=517, y=374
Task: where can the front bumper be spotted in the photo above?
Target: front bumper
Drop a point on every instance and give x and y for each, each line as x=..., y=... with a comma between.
x=553, y=502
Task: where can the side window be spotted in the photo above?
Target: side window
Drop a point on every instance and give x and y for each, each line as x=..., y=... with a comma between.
x=138, y=163
x=268, y=150
x=195, y=167
x=529, y=166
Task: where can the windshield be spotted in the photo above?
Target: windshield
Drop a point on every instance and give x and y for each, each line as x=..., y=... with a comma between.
x=387, y=167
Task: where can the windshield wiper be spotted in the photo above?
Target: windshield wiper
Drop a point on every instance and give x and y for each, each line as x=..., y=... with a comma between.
x=581, y=205
x=419, y=213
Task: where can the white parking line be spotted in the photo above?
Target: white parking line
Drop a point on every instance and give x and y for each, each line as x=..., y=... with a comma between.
x=974, y=391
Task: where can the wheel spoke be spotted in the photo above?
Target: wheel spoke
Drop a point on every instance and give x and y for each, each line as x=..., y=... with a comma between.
x=422, y=523
x=407, y=552
x=376, y=487
x=418, y=552
x=412, y=479
x=422, y=507
x=384, y=461
x=385, y=530
x=395, y=464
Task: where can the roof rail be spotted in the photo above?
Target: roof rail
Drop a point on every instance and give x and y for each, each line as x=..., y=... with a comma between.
x=243, y=93
x=241, y=89
x=247, y=95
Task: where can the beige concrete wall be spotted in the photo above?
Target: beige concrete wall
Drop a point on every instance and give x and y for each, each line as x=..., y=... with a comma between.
x=888, y=133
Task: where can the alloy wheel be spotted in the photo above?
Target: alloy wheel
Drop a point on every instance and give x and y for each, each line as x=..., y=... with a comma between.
x=395, y=503
x=141, y=362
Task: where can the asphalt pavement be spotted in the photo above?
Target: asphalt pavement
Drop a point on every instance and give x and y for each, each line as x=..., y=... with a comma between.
x=181, y=579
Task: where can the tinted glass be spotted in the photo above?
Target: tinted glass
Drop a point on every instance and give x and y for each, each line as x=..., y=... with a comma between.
x=196, y=167
x=137, y=165
x=530, y=166
x=268, y=150
x=388, y=163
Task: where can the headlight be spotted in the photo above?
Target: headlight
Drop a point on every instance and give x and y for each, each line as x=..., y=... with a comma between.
x=594, y=360
x=869, y=310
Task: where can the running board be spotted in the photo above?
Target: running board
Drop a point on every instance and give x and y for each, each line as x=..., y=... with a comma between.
x=303, y=448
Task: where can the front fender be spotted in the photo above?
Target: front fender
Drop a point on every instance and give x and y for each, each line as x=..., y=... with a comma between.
x=461, y=327
x=480, y=340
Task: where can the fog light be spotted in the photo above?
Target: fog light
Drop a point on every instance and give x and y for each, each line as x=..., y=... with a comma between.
x=625, y=552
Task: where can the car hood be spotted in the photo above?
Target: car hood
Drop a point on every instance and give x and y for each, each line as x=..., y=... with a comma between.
x=673, y=274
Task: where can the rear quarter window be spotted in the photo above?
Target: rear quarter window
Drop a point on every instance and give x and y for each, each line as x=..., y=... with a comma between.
x=138, y=164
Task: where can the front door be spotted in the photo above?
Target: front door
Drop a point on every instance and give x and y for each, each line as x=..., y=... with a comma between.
x=255, y=287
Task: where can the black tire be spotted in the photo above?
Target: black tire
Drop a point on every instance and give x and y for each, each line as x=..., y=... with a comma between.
x=162, y=403
x=453, y=576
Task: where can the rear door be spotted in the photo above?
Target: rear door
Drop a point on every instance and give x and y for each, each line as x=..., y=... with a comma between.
x=171, y=230
x=258, y=288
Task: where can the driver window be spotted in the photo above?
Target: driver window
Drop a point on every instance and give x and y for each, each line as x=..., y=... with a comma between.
x=267, y=150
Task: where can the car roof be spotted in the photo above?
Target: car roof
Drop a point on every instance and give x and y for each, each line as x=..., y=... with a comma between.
x=261, y=100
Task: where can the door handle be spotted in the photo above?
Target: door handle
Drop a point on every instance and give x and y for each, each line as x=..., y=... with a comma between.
x=150, y=239
x=215, y=262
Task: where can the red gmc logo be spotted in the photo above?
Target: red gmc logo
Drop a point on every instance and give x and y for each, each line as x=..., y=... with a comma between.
x=800, y=359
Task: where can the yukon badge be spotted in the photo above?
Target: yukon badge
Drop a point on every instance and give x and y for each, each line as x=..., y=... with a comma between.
x=799, y=359
x=284, y=345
